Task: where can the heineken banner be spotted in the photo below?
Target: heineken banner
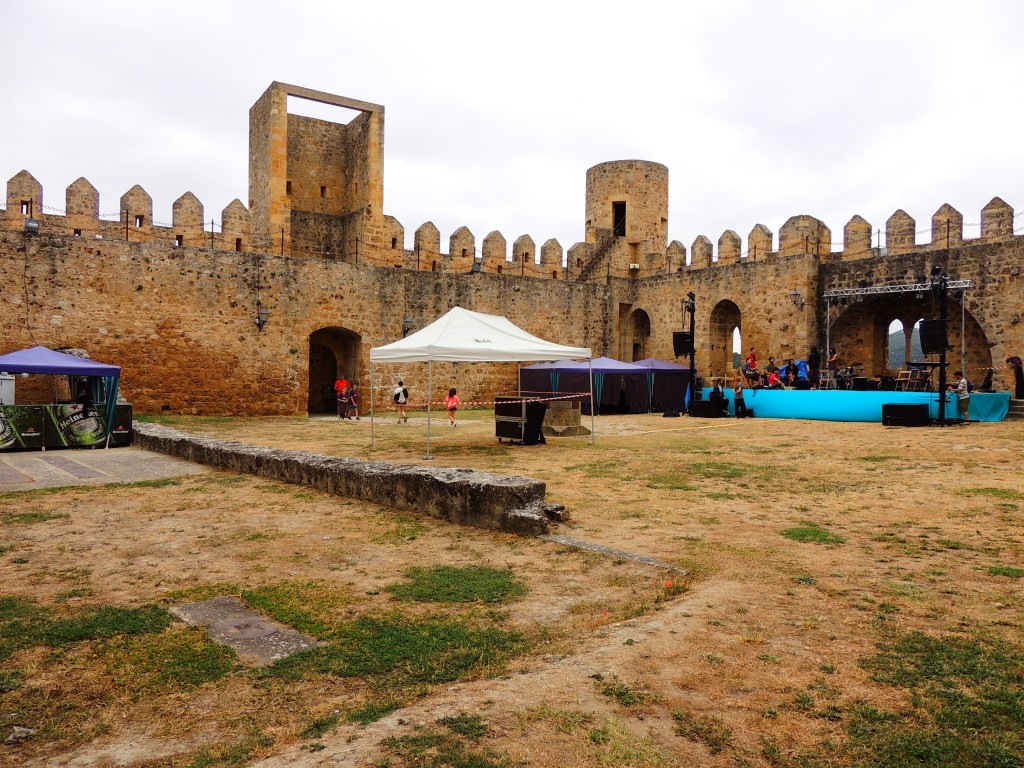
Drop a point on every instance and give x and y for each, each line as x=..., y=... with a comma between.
x=28, y=427
x=22, y=427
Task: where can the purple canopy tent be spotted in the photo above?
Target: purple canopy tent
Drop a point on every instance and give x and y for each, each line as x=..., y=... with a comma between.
x=618, y=387
x=47, y=362
x=667, y=382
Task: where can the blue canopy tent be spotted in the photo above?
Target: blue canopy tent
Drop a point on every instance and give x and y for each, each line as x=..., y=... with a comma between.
x=667, y=383
x=103, y=379
x=618, y=387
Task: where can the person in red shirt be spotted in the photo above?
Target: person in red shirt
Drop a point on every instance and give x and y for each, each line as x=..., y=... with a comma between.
x=452, y=401
x=340, y=389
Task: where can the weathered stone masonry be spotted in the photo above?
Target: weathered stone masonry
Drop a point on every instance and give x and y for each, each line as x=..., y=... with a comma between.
x=175, y=305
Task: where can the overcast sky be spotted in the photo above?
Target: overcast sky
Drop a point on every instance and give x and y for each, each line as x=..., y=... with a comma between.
x=761, y=110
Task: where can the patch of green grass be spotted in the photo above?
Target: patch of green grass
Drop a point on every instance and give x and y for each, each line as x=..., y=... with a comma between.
x=394, y=652
x=616, y=745
x=371, y=713
x=998, y=493
x=167, y=662
x=104, y=623
x=877, y=458
x=447, y=584
x=711, y=731
x=238, y=754
x=437, y=749
x=622, y=693
x=671, y=481
x=24, y=624
x=9, y=681
x=968, y=694
x=30, y=518
x=321, y=726
x=471, y=726
x=311, y=607
x=814, y=534
x=1006, y=570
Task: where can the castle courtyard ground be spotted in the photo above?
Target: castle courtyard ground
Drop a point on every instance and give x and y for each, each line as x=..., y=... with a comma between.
x=832, y=569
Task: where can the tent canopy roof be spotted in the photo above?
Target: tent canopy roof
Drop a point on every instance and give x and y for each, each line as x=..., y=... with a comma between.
x=43, y=360
x=599, y=364
x=465, y=336
x=654, y=364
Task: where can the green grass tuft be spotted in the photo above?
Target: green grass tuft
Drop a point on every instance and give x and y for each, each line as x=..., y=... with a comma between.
x=371, y=713
x=471, y=726
x=813, y=533
x=394, y=652
x=165, y=663
x=446, y=584
x=711, y=731
x=30, y=518
x=1006, y=570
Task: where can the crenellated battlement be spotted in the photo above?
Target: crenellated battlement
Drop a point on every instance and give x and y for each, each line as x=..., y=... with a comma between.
x=806, y=235
x=316, y=250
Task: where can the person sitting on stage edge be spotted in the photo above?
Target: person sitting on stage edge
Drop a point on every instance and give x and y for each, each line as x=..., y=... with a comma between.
x=791, y=373
x=718, y=400
x=963, y=392
x=769, y=369
x=774, y=382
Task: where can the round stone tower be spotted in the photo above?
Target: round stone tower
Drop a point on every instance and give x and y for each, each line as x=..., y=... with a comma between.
x=628, y=199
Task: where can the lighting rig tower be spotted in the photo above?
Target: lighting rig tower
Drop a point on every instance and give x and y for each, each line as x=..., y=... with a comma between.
x=690, y=308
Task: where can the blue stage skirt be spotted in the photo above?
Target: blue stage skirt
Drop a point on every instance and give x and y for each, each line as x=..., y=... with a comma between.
x=848, y=405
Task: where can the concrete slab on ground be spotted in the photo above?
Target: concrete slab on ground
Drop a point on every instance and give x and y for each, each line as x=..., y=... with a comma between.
x=28, y=470
x=229, y=622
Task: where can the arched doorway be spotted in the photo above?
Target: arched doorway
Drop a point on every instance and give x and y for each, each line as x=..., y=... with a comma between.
x=332, y=352
x=640, y=330
x=725, y=322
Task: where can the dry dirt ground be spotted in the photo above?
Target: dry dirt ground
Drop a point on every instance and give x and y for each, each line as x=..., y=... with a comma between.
x=762, y=650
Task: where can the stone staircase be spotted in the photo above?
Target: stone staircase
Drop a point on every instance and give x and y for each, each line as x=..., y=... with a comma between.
x=588, y=269
x=1016, y=410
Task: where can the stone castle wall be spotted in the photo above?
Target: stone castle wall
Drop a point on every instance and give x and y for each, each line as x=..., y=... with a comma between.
x=175, y=303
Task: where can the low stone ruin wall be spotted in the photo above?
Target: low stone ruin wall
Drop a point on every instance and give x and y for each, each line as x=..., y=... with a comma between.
x=463, y=496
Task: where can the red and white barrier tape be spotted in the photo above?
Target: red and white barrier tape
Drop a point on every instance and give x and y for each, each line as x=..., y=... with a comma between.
x=567, y=396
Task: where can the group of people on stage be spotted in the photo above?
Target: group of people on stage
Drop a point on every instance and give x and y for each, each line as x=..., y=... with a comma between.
x=774, y=377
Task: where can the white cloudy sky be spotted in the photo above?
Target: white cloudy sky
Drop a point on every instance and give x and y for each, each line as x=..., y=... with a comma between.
x=761, y=110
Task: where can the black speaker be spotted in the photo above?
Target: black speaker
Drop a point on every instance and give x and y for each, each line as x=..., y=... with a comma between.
x=933, y=337
x=905, y=415
x=860, y=383
x=887, y=384
x=682, y=343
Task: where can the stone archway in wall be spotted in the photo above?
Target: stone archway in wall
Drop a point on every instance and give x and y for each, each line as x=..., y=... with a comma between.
x=861, y=334
x=637, y=340
x=726, y=318
x=332, y=352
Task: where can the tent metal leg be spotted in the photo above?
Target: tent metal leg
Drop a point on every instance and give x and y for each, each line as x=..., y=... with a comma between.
x=371, y=404
x=593, y=427
x=430, y=390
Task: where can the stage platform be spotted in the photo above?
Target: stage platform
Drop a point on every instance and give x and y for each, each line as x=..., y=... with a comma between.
x=848, y=405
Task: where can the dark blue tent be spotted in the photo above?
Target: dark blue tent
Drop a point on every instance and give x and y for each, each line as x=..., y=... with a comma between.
x=667, y=383
x=618, y=387
x=103, y=379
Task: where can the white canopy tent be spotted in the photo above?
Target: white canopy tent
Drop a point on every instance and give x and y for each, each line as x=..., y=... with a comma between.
x=463, y=336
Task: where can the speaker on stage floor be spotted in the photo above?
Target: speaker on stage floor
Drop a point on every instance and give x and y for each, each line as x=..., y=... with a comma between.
x=905, y=415
x=887, y=384
x=860, y=383
x=682, y=343
x=934, y=339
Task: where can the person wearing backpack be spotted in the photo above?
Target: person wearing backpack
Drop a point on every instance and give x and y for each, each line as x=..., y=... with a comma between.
x=401, y=398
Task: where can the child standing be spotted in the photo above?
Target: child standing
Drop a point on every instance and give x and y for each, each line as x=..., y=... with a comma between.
x=452, y=402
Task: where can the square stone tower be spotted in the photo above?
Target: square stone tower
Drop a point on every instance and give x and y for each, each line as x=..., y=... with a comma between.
x=312, y=183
